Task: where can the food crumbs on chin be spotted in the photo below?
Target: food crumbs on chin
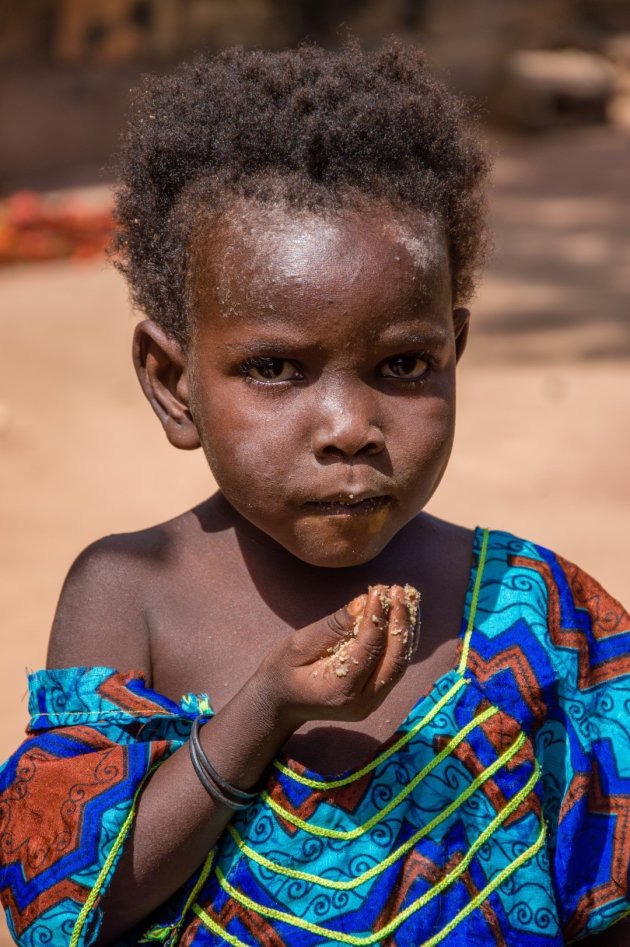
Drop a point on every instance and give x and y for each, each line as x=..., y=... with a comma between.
x=341, y=671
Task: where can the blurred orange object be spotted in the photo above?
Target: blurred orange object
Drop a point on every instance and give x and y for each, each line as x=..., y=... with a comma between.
x=35, y=227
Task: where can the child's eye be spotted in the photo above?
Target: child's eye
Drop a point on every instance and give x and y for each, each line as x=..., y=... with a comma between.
x=407, y=367
x=266, y=370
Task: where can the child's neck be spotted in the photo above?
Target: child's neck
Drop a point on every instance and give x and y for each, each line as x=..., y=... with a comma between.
x=426, y=551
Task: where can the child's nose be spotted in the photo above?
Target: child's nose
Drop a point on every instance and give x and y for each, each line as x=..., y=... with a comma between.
x=346, y=425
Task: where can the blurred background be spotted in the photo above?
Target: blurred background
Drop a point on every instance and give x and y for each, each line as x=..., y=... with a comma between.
x=544, y=394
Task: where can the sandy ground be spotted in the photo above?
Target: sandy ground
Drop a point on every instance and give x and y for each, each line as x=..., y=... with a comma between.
x=542, y=446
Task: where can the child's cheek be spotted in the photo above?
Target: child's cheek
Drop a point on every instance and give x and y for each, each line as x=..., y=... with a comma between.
x=419, y=443
x=251, y=467
x=425, y=438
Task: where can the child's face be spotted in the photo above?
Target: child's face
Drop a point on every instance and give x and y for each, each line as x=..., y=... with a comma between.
x=322, y=372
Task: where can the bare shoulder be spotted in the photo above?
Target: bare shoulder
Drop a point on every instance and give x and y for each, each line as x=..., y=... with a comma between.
x=103, y=614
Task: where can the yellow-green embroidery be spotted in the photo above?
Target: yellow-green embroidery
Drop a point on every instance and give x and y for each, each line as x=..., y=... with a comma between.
x=361, y=941
x=399, y=852
x=396, y=801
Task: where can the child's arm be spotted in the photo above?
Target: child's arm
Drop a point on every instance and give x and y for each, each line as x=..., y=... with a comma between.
x=176, y=822
x=616, y=936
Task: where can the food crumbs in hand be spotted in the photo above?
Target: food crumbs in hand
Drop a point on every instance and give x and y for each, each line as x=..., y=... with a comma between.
x=339, y=655
x=412, y=602
x=386, y=601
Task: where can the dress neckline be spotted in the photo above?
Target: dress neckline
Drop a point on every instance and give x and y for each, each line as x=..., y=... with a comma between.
x=449, y=682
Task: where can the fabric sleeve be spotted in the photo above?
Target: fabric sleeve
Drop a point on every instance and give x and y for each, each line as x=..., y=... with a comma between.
x=68, y=798
x=585, y=746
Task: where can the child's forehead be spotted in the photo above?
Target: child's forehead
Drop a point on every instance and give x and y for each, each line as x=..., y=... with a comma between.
x=279, y=251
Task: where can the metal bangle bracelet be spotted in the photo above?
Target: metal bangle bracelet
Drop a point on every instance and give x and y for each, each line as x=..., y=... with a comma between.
x=237, y=798
x=208, y=783
x=226, y=787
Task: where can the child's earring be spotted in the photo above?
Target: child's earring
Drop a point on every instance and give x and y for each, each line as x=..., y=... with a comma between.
x=161, y=369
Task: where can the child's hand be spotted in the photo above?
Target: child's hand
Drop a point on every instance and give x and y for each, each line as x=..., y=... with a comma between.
x=343, y=667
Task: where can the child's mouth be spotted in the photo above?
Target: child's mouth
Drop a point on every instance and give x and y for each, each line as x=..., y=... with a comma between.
x=349, y=506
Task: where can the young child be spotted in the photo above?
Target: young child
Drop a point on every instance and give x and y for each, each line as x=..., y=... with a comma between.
x=302, y=230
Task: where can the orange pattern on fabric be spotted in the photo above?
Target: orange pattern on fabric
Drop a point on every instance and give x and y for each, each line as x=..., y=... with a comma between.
x=65, y=889
x=600, y=801
x=255, y=924
x=467, y=756
x=55, y=808
x=115, y=690
x=608, y=619
x=516, y=660
x=344, y=797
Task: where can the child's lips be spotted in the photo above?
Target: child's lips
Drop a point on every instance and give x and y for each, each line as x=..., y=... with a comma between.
x=349, y=505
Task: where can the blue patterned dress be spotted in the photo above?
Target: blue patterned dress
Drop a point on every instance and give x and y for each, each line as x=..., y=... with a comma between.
x=498, y=813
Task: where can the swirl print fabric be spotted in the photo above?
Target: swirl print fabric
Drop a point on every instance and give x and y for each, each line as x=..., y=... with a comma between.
x=498, y=813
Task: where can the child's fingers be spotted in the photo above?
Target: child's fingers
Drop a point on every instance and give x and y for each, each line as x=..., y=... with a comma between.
x=401, y=636
x=321, y=638
x=365, y=649
x=350, y=643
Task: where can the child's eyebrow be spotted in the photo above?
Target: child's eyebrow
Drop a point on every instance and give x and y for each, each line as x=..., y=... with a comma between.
x=427, y=335
x=262, y=346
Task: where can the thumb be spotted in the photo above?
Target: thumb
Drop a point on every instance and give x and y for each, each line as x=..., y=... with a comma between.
x=318, y=639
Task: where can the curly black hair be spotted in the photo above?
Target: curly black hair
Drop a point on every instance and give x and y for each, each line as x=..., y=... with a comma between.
x=310, y=125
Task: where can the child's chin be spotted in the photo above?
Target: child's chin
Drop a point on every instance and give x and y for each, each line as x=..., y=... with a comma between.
x=337, y=555
x=339, y=542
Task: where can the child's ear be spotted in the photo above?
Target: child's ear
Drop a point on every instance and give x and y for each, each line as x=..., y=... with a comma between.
x=461, y=324
x=161, y=369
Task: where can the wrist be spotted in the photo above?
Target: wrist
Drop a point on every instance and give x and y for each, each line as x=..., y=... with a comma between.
x=274, y=693
x=243, y=737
